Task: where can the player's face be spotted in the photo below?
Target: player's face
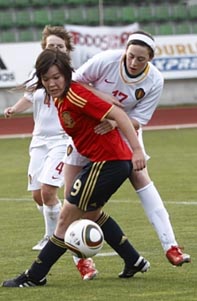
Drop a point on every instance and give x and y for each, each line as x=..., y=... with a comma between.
x=54, y=42
x=137, y=58
x=54, y=82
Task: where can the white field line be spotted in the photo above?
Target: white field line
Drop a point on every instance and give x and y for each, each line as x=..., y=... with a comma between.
x=111, y=201
x=105, y=254
x=170, y=127
x=145, y=128
x=15, y=136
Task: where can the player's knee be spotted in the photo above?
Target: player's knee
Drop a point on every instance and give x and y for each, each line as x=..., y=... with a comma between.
x=49, y=195
x=139, y=179
x=36, y=194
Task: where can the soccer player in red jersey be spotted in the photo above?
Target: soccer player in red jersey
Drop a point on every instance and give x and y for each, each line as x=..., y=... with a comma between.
x=130, y=76
x=111, y=163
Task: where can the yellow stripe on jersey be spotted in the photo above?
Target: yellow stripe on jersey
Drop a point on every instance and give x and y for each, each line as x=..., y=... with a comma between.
x=76, y=99
x=90, y=185
x=104, y=116
x=58, y=101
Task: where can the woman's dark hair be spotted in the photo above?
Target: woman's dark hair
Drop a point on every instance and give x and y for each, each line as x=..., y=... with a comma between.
x=141, y=43
x=47, y=59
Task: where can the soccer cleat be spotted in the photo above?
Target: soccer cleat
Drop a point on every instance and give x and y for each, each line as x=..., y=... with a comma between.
x=176, y=256
x=24, y=280
x=86, y=268
x=41, y=244
x=142, y=265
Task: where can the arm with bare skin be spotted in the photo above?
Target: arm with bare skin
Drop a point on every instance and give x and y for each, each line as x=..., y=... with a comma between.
x=20, y=106
x=107, y=125
x=128, y=130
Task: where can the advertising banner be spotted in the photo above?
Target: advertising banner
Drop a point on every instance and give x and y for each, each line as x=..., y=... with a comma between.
x=91, y=40
x=16, y=62
x=176, y=56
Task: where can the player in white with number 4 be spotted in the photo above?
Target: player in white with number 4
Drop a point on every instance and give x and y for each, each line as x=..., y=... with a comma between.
x=133, y=80
x=47, y=149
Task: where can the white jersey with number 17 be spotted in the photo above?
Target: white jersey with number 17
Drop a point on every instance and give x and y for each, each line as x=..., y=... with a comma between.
x=140, y=95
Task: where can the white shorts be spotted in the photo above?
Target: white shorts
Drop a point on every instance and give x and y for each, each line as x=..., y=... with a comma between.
x=140, y=138
x=73, y=157
x=46, y=164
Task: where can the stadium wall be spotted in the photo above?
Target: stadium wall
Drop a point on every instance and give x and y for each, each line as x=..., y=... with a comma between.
x=176, y=92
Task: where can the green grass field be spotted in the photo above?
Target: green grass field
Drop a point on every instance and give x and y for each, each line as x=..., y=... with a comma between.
x=172, y=167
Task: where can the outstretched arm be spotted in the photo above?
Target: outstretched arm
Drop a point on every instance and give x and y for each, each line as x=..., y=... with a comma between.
x=20, y=106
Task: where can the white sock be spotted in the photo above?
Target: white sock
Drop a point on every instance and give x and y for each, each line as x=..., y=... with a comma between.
x=51, y=214
x=40, y=208
x=76, y=259
x=157, y=215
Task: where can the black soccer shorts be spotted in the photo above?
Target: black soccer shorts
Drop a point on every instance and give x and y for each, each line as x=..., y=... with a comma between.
x=96, y=183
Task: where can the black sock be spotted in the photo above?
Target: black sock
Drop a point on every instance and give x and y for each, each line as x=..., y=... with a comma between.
x=115, y=237
x=53, y=250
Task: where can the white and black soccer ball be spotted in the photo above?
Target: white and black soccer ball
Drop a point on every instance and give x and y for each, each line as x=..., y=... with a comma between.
x=84, y=238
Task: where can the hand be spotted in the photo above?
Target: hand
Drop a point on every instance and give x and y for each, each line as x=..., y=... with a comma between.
x=104, y=127
x=138, y=160
x=8, y=112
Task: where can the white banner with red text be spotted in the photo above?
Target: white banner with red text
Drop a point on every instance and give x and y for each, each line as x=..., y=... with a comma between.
x=176, y=56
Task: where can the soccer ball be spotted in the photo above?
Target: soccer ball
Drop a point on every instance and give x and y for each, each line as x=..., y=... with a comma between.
x=84, y=238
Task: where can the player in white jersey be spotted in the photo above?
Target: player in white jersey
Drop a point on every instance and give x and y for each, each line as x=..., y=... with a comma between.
x=130, y=77
x=47, y=149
